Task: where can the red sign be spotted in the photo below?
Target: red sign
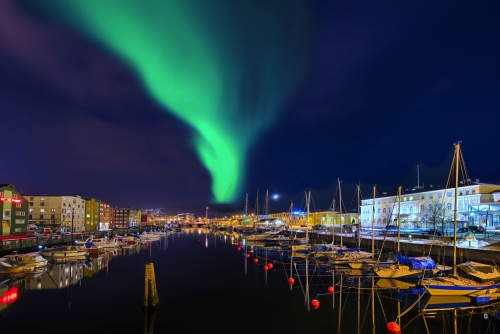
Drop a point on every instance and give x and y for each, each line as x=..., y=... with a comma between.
x=9, y=297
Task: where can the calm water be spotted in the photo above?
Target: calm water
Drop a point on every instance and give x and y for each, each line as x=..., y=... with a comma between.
x=204, y=284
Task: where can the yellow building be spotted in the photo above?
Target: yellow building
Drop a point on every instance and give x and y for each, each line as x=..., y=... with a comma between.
x=330, y=218
x=92, y=214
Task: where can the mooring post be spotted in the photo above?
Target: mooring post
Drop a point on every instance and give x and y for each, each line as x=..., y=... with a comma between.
x=150, y=293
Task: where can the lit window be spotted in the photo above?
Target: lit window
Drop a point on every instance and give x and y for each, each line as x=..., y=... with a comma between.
x=6, y=214
x=53, y=210
x=20, y=213
x=431, y=195
x=440, y=195
x=42, y=198
x=18, y=205
x=14, y=195
x=448, y=194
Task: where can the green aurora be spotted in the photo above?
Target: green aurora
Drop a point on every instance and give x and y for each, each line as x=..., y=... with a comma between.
x=224, y=67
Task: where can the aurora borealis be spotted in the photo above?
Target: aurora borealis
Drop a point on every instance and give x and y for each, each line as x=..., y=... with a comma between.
x=224, y=67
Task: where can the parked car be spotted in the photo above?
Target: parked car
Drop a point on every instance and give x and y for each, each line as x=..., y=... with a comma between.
x=462, y=229
x=391, y=228
x=432, y=231
x=476, y=229
x=320, y=228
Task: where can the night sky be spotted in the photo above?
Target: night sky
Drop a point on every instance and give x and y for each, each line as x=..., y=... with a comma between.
x=202, y=102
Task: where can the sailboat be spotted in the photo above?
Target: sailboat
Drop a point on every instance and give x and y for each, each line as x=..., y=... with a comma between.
x=407, y=267
x=303, y=247
x=455, y=285
x=371, y=261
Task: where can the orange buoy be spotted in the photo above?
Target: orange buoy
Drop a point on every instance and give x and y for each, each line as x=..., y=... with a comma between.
x=265, y=268
x=315, y=304
x=291, y=281
x=331, y=289
x=239, y=248
x=393, y=328
x=270, y=265
x=248, y=255
x=255, y=260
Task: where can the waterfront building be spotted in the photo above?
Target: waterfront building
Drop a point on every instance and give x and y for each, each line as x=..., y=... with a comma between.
x=57, y=212
x=14, y=209
x=105, y=217
x=478, y=204
x=92, y=214
x=126, y=218
x=146, y=219
x=300, y=218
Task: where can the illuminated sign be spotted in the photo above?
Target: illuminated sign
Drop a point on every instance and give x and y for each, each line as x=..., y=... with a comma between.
x=9, y=297
x=15, y=200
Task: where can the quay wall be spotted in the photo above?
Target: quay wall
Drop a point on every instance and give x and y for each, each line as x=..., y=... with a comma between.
x=442, y=254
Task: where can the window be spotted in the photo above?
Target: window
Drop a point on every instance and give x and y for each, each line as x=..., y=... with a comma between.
x=460, y=193
x=20, y=213
x=42, y=210
x=41, y=216
x=431, y=207
x=448, y=194
x=42, y=198
x=383, y=201
x=431, y=195
x=384, y=210
x=439, y=206
x=31, y=198
x=53, y=210
x=20, y=221
x=404, y=208
x=14, y=195
x=467, y=192
x=440, y=195
x=18, y=205
x=411, y=208
x=390, y=210
x=422, y=208
x=30, y=216
x=64, y=198
x=31, y=203
x=473, y=191
x=448, y=206
x=42, y=204
x=52, y=216
x=6, y=214
x=422, y=196
x=88, y=215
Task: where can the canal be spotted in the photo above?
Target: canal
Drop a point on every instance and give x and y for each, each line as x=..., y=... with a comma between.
x=206, y=282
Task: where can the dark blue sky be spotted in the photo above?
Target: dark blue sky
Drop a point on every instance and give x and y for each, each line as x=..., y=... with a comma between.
x=391, y=85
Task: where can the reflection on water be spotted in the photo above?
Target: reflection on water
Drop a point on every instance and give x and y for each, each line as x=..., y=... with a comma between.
x=218, y=275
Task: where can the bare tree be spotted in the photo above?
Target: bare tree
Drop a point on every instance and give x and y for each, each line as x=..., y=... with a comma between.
x=436, y=211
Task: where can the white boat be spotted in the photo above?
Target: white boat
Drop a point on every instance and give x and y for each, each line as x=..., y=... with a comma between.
x=30, y=261
x=63, y=252
x=105, y=243
x=454, y=285
x=9, y=266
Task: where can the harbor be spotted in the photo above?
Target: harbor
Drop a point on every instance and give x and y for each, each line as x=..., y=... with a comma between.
x=209, y=275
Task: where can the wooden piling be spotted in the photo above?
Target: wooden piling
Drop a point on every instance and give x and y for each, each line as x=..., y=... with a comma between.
x=150, y=294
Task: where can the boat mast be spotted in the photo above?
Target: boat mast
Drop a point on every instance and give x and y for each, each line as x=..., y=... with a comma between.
x=72, y=215
x=308, y=197
x=373, y=223
x=359, y=222
x=457, y=153
x=399, y=216
x=340, y=212
x=246, y=206
x=266, y=206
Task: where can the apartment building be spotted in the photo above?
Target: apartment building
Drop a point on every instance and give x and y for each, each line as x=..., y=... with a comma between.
x=126, y=218
x=14, y=210
x=105, y=217
x=92, y=214
x=57, y=212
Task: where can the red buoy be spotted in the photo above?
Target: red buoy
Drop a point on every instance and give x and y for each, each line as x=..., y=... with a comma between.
x=239, y=248
x=241, y=243
x=270, y=265
x=315, y=304
x=291, y=281
x=393, y=328
x=331, y=289
x=265, y=268
x=248, y=255
x=255, y=260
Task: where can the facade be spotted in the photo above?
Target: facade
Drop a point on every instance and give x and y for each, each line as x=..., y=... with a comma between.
x=57, y=212
x=105, y=222
x=477, y=204
x=92, y=214
x=299, y=218
x=126, y=218
x=146, y=219
x=14, y=210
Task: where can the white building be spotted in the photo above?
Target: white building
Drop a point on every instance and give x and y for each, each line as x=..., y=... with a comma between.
x=57, y=212
x=477, y=204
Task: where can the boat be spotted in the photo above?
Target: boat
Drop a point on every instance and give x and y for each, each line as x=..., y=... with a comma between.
x=454, y=284
x=64, y=252
x=31, y=261
x=105, y=243
x=90, y=246
x=9, y=266
x=408, y=267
